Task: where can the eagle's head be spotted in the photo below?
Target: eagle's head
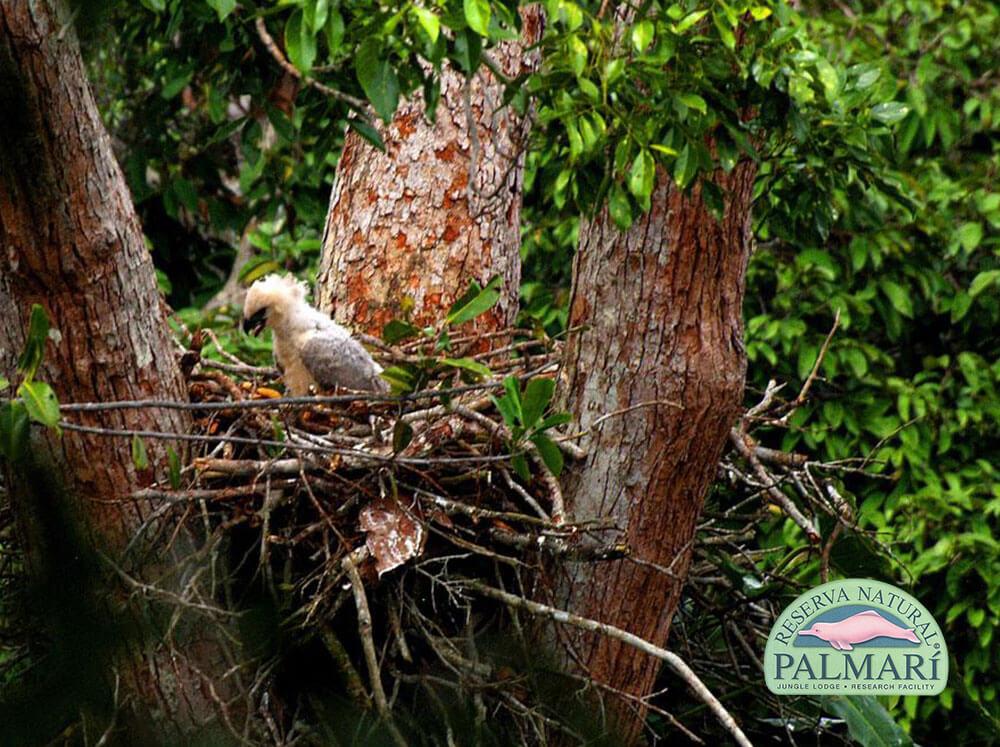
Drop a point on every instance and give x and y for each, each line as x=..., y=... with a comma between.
x=269, y=296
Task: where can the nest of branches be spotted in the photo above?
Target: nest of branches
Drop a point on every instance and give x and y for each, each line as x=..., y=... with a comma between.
x=387, y=526
x=403, y=537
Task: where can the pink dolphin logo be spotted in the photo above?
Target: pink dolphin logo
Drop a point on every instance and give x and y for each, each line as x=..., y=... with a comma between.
x=859, y=628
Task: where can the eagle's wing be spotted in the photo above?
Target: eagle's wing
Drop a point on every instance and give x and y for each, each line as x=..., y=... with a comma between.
x=334, y=358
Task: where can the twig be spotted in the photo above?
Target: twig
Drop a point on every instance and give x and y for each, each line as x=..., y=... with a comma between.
x=349, y=564
x=745, y=446
x=674, y=661
x=291, y=446
x=804, y=392
x=289, y=68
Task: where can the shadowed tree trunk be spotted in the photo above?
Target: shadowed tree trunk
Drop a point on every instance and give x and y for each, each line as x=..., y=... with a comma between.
x=70, y=241
x=409, y=228
x=658, y=309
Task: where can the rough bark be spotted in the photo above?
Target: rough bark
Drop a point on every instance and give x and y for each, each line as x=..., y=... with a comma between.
x=439, y=208
x=70, y=241
x=658, y=314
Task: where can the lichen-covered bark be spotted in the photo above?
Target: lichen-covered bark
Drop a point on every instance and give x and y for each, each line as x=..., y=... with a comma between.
x=70, y=241
x=439, y=208
x=659, y=320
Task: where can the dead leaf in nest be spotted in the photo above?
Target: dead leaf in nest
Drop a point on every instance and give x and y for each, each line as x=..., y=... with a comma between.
x=392, y=536
x=264, y=392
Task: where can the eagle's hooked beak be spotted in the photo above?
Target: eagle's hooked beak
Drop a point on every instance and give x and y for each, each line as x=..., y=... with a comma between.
x=255, y=323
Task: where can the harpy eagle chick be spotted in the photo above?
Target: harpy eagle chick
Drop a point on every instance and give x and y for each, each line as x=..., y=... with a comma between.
x=310, y=348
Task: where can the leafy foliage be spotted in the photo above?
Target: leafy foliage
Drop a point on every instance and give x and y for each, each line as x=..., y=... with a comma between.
x=873, y=126
x=36, y=400
x=523, y=411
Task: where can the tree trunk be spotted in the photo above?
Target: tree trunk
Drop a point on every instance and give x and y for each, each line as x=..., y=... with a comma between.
x=70, y=241
x=409, y=228
x=658, y=309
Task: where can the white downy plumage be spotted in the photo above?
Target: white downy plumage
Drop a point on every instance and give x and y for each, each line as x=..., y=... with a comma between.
x=311, y=349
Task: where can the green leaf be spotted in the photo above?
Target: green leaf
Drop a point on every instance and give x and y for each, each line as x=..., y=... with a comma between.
x=13, y=429
x=960, y=305
x=315, y=14
x=468, y=364
x=368, y=132
x=642, y=175
x=890, y=112
x=613, y=70
x=513, y=392
x=377, y=78
x=429, y=22
x=468, y=50
x=690, y=20
x=472, y=305
x=174, y=467
x=300, y=42
x=222, y=7
x=620, y=208
x=139, y=456
x=34, y=345
x=400, y=379
x=856, y=360
x=970, y=235
x=40, y=401
x=537, y=395
x=397, y=331
x=520, y=465
x=982, y=281
x=693, y=101
x=477, y=14
x=685, y=167
x=642, y=35
x=334, y=30
x=555, y=419
x=589, y=89
x=549, y=452
x=724, y=29
x=257, y=268
x=402, y=435
x=806, y=360
x=505, y=407
x=176, y=84
x=577, y=54
x=4, y=382
x=899, y=297
x=868, y=722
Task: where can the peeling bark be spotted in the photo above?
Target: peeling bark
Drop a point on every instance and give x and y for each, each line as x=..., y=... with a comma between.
x=70, y=241
x=439, y=208
x=658, y=309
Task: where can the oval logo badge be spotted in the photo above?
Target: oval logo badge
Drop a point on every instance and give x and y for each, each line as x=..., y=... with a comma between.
x=855, y=637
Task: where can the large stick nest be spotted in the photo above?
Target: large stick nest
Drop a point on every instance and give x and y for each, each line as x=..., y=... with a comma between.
x=394, y=501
